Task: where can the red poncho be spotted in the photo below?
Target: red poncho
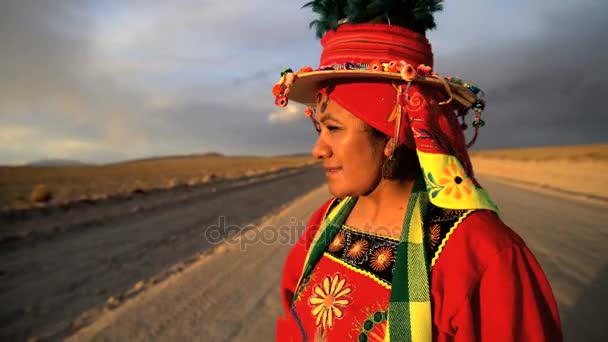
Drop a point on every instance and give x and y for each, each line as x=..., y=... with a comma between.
x=485, y=285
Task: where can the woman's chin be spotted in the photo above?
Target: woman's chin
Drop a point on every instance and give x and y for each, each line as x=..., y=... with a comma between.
x=335, y=190
x=338, y=191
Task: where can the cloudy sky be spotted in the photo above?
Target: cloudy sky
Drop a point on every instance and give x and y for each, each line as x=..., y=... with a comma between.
x=108, y=80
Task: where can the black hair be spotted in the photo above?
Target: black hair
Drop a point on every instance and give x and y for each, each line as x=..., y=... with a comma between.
x=404, y=163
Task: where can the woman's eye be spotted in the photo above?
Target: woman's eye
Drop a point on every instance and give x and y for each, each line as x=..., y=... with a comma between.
x=317, y=127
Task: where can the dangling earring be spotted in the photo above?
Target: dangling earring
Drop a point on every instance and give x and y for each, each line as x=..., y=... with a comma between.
x=389, y=167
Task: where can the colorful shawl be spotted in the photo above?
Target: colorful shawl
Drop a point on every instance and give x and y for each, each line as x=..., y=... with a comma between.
x=409, y=317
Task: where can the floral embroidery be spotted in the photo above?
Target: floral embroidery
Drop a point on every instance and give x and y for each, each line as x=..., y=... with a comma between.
x=455, y=180
x=320, y=335
x=382, y=258
x=328, y=298
x=358, y=249
x=357, y=252
x=337, y=243
x=435, y=235
x=438, y=227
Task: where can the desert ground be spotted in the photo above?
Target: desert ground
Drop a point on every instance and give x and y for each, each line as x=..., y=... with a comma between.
x=579, y=171
x=154, y=265
x=85, y=183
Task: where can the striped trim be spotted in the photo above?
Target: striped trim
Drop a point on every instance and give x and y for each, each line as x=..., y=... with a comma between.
x=315, y=251
x=447, y=236
x=409, y=316
x=360, y=271
x=329, y=207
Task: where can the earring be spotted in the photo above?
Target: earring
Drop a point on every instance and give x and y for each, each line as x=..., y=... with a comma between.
x=389, y=168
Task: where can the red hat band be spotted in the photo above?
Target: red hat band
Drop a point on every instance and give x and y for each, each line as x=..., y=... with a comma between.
x=364, y=43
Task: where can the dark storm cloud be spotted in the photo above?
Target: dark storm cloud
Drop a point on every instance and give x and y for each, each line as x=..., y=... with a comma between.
x=41, y=54
x=549, y=89
x=227, y=128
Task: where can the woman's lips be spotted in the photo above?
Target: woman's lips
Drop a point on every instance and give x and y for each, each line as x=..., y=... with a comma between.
x=332, y=171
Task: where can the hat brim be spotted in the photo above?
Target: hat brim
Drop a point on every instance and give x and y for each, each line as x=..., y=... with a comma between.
x=306, y=85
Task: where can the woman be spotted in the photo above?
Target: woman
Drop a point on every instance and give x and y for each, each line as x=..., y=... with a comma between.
x=410, y=248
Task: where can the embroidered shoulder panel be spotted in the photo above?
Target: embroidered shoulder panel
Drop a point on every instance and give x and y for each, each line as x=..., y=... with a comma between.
x=440, y=224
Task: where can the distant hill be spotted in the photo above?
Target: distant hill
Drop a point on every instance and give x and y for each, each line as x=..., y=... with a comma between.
x=211, y=154
x=56, y=162
x=182, y=156
x=69, y=162
x=302, y=154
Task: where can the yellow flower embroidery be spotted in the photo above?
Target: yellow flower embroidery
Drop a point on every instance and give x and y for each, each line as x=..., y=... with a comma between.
x=455, y=181
x=358, y=249
x=382, y=259
x=328, y=299
x=337, y=243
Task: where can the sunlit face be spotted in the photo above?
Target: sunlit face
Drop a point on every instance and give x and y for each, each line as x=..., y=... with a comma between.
x=351, y=156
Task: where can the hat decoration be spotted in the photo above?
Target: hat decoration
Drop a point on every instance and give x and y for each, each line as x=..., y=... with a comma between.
x=465, y=93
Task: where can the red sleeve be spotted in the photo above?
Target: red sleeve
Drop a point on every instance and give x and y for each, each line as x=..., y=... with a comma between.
x=514, y=302
x=293, y=268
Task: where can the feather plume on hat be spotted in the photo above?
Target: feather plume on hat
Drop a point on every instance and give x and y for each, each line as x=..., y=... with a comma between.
x=411, y=14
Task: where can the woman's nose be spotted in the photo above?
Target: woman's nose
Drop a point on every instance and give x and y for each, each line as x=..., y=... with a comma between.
x=321, y=149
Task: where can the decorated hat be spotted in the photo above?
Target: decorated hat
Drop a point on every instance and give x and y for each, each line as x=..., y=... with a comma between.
x=378, y=64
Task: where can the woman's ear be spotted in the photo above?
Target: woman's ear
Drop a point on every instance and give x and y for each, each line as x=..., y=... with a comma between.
x=388, y=147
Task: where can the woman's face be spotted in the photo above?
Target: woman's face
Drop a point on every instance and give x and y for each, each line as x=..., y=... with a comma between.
x=351, y=156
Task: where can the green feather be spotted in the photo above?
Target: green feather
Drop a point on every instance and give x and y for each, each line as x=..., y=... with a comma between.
x=416, y=15
x=330, y=13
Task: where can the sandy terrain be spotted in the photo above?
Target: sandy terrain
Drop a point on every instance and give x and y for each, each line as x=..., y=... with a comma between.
x=546, y=153
x=85, y=183
x=577, y=171
x=585, y=178
x=47, y=221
